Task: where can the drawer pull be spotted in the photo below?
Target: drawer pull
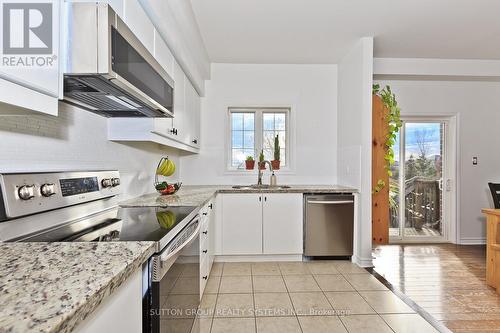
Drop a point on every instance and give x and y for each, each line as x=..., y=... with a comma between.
x=205, y=251
x=205, y=232
x=205, y=277
x=205, y=214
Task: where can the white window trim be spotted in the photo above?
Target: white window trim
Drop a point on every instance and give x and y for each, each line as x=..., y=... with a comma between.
x=258, y=128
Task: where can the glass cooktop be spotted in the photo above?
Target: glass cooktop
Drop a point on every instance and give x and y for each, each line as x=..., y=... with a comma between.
x=120, y=224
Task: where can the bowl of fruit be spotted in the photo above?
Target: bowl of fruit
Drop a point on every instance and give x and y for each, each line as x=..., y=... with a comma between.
x=165, y=188
x=165, y=168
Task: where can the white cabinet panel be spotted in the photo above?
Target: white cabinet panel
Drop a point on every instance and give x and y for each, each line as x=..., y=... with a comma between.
x=192, y=119
x=212, y=220
x=282, y=223
x=163, y=55
x=179, y=103
x=119, y=312
x=138, y=22
x=30, y=70
x=242, y=224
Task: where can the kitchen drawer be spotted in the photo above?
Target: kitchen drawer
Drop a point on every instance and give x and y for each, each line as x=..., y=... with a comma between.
x=204, y=274
x=203, y=249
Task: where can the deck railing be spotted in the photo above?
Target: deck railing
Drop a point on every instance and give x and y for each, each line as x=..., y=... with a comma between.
x=422, y=204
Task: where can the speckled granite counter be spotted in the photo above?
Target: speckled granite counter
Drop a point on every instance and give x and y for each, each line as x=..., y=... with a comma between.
x=52, y=287
x=199, y=195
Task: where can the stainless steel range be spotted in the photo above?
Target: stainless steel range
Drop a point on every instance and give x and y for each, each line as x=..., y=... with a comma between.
x=83, y=207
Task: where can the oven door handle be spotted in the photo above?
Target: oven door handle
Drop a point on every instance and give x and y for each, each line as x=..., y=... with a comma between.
x=195, y=234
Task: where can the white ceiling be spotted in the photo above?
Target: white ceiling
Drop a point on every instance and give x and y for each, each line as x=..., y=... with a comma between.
x=320, y=31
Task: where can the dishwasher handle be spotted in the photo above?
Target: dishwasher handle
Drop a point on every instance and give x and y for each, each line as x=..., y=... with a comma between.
x=330, y=202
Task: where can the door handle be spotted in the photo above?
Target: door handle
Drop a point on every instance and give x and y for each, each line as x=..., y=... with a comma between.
x=448, y=185
x=324, y=202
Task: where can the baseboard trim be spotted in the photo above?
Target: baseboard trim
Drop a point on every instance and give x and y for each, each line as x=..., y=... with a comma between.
x=362, y=262
x=472, y=241
x=259, y=258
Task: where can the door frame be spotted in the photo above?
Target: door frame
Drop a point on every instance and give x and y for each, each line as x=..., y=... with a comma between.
x=450, y=172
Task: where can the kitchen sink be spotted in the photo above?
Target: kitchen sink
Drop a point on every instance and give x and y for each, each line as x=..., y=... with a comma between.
x=260, y=187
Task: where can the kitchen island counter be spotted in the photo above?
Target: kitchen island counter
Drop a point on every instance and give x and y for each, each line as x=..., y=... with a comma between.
x=52, y=287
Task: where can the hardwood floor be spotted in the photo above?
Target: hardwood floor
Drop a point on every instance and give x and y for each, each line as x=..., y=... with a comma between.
x=446, y=280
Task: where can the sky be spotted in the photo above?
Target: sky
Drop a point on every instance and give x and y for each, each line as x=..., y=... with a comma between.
x=415, y=132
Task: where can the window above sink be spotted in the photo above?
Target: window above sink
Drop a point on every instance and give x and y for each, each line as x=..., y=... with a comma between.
x=251, y=130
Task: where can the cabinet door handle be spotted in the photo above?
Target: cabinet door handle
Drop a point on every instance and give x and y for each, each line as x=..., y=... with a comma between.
x=211, y=206
x=260, y=198
x=205, y=277
x=195, y=141
x=205, y=251
x=265, y=199
x=205, y=214
x=205, y=232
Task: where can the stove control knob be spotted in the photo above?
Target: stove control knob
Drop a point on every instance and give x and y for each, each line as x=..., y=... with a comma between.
x=115, y=182
x=106, y=183
x=48, y=190
x=26, y=192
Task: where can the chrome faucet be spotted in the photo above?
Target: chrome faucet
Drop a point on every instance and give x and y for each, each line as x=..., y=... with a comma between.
x=261, y=173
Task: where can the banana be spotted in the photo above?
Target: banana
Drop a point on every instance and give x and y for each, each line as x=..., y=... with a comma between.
x=162, y=168
x=170, y=168
x=166, y=219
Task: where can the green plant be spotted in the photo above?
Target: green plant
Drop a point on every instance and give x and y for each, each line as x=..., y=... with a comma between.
x=380, y=185
x=277, y=148
x=261, y=156
x=249, y=158
x=393, y=119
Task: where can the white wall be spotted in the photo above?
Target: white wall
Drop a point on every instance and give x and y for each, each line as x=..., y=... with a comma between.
x=355, y=140
x=311, y=92
x=76, y=140
x=477, y=106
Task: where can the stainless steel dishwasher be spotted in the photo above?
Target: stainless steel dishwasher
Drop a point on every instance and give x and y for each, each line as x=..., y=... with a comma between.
x=329, y=224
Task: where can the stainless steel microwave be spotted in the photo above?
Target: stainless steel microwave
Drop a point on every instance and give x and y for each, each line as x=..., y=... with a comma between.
x=108, y=70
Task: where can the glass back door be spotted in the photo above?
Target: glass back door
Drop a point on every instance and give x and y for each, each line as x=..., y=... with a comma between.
x=416, y=185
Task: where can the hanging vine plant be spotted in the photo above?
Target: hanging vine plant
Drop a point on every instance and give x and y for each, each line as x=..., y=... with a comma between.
x=393, y=119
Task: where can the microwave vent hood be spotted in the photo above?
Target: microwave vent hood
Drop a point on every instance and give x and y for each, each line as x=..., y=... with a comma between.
x=108, y=70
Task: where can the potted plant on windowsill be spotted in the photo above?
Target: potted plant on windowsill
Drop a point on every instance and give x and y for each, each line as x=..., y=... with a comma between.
x=262, y=166
x=249, y=163
x=276, y=162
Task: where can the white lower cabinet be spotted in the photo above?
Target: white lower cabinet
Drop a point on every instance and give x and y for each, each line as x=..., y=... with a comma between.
x=206, y=243
x=282, y=217
x=242, y=224
x=263, y=223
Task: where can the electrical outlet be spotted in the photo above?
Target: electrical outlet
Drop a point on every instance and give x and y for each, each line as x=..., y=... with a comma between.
x=474, y=160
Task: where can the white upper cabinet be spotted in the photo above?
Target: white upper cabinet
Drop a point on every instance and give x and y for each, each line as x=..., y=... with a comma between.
x=282, y=223
x=162, y=54
x=182, y=131
x=30, y=75
x=179, y=122
x=242, y=224
x=192, y=107
x=137, y=21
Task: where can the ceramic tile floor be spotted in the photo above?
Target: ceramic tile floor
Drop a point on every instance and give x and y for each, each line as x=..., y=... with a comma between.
x=309, y=297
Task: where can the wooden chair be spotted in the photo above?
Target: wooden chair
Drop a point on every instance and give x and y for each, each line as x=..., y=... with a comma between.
x=495, y=193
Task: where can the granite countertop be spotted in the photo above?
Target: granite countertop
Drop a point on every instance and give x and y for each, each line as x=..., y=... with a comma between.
x=52, y=287
x=194, y=195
